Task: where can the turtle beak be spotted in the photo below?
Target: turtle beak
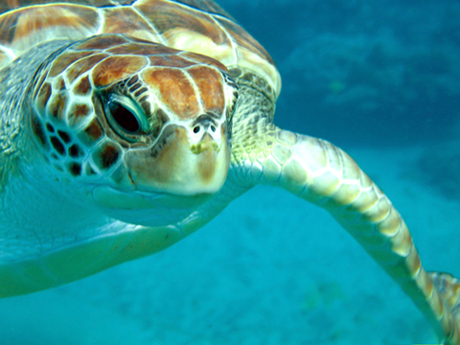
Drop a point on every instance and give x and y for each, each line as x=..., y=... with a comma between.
x=187, y=159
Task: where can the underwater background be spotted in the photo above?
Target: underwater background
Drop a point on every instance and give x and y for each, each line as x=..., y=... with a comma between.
x=380, y=79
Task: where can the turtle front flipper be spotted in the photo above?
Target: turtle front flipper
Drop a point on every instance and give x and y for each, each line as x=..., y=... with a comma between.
x=323, y=174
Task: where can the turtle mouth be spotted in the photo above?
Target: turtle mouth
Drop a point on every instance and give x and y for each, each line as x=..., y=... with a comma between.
x=146, y=208
x=112, y=198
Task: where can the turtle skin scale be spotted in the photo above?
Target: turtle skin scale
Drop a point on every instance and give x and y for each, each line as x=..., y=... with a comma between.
x=127, y=125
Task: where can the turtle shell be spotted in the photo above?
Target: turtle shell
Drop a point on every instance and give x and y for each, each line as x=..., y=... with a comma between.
x=198, y=26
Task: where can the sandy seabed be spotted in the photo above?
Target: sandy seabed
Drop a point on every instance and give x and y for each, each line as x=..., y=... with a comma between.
x=271, y=269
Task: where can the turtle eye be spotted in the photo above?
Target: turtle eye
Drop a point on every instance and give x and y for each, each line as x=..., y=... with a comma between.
x=126, y=117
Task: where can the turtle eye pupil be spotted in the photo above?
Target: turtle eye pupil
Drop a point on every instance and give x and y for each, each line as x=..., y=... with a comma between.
x=124, y=118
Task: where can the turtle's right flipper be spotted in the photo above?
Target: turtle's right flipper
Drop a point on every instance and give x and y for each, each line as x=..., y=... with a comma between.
x=449, y=290
x=317, y=171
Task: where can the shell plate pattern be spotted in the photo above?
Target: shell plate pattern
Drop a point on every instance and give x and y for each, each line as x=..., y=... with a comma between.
x=199, y=26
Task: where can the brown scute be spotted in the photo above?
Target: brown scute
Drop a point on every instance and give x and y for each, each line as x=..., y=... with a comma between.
x=43, y=96
x=135, y=87
x=140, y=91
x=63, y=61
x=170, y=60
x=75, y=169
x=245, y=40
x=132, y=80
x=143, y=99
x=92, y=133
x=205, y=60
x=32, y=24
x=116, y=68
x=58, y=145
x=209, y=82
x=101, y=42
x=145, y=49
x=82, y=87
x=81, y=110
x=106, y=156
x=94, y=130
x=8, y=25
x=125, y=20
x=57, y=106
x=60, y=84
x=168, y=16
x=78, y=113
x=38, y=130
x=175, y=89
x=83, y=65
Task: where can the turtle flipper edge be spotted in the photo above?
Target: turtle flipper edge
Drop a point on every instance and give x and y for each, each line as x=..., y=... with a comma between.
x=319, y=172
x=449, y=289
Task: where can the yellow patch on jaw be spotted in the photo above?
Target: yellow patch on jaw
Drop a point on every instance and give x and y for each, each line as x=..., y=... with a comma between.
x=207, y=171
x=204, y=146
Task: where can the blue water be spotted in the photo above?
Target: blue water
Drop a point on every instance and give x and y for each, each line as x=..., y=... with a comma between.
x=367, y=66
x=379, y=78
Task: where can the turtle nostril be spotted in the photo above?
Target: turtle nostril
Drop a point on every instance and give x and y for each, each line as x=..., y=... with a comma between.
x=213, y=128
x=196, y=129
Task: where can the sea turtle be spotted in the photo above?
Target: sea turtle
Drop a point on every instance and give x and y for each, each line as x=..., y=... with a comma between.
x=126, y=125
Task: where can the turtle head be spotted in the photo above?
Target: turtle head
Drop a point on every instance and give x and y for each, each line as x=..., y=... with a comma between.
x=135, y=116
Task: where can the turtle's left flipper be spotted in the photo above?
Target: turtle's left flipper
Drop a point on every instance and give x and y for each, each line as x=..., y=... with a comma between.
x=323, y=174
